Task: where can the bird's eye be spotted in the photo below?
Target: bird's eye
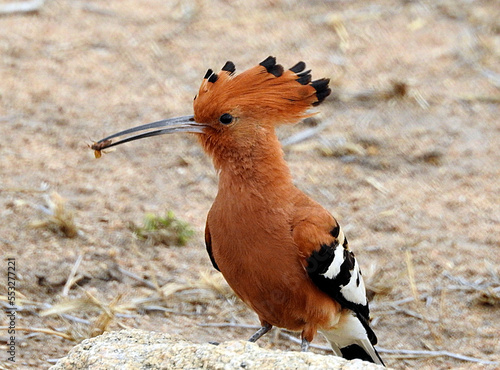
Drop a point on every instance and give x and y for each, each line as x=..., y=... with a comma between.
x=226, y=119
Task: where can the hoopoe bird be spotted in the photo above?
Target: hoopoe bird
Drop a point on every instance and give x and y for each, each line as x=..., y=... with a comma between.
x=281, y=252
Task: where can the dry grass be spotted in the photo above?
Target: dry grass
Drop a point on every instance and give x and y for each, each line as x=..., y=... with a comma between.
x=100, y=315
x=59, y=218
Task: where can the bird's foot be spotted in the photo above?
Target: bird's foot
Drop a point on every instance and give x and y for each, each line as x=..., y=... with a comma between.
x=259, y=333
x=304, y=346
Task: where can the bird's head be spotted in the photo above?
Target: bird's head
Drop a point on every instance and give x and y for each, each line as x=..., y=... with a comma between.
x=230, y=109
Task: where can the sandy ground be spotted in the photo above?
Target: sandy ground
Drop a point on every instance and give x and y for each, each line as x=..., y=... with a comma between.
x=412, y=179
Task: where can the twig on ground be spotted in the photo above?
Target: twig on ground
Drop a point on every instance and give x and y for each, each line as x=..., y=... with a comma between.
x=379, y=305
x=481, y=98
x=229, y=325
x=96, y=10
x=465, y=282
x=138, y=278
x=485, y=292
x=376, y=184
x=76, y=319
x=71, y=278
x=169, y=310
x=21, y=7
x=41, y=330
x=22, y=304
x=413, y=314
x=407, y=312
x=405, y=353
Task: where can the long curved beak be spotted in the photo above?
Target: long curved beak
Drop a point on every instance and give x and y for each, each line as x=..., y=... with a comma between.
x=168, y=126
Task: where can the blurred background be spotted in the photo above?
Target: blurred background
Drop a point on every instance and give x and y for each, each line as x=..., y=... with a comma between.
x=404, y=153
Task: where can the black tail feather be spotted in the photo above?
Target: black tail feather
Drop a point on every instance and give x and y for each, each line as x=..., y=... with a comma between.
x=354, y=351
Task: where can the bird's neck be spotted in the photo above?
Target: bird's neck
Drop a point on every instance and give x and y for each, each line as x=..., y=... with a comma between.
x=258, y=166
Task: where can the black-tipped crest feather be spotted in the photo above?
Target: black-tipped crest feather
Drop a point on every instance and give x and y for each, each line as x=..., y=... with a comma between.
x=229, y=67
x=299, y=67
x=208, y=74
x=213, y=78
x=270, y=65
x=322, y=89
x=304, y=78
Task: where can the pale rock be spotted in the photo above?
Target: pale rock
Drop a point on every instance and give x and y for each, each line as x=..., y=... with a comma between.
x=138, y=349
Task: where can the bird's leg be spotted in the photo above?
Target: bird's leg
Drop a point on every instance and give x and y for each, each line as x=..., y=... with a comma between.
x=304, y=346
x=307, y=336
x=259, y=333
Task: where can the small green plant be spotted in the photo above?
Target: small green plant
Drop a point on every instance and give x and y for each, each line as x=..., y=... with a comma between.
x=167, y=230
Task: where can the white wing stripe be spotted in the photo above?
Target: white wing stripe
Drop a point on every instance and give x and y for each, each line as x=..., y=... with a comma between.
x=353, y=292
x=338, y=259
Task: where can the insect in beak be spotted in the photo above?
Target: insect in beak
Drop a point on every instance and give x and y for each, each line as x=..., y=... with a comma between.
x=167, y=126
x=97, y=147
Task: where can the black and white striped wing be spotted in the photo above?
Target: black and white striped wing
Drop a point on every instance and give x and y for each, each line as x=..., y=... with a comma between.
x=335, y=270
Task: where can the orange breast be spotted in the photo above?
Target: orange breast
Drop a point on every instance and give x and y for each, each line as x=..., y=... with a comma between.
x=255, y=252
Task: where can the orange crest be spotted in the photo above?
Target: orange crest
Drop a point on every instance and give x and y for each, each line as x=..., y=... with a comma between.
x=266, y=94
